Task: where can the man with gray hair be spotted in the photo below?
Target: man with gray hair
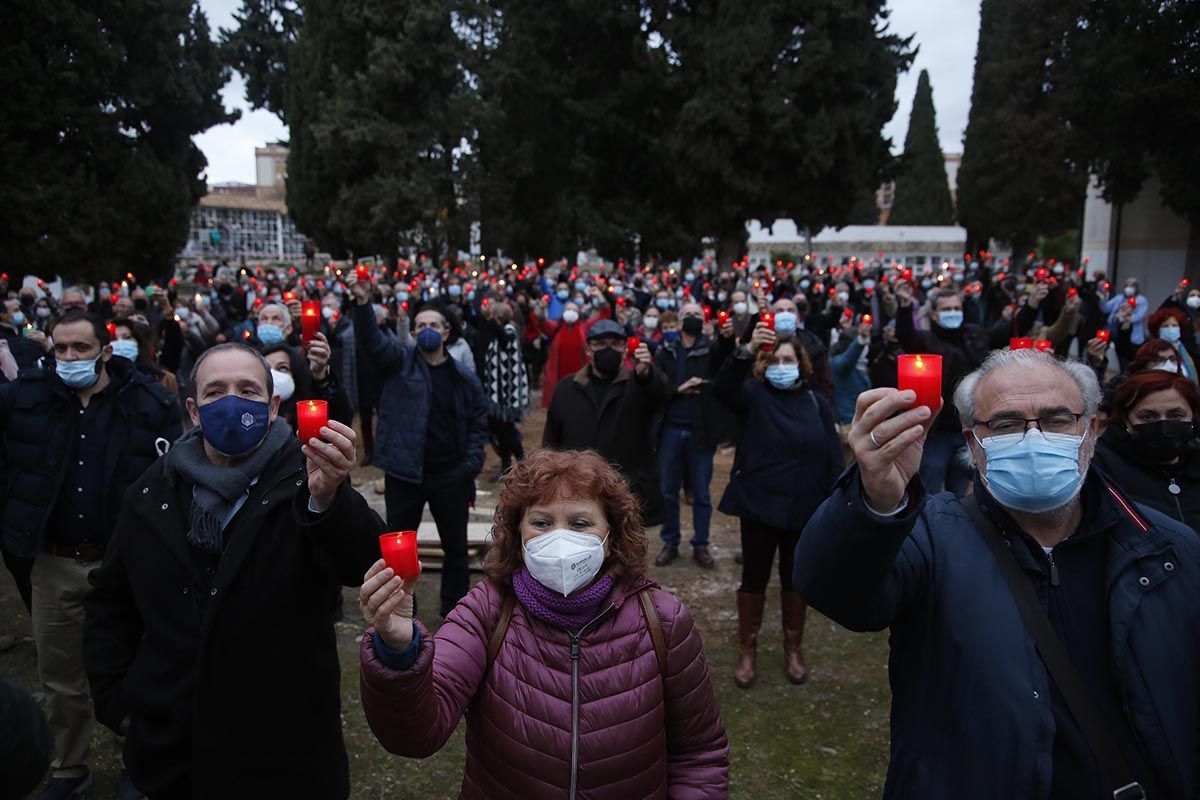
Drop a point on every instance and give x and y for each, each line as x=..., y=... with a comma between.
x=977, y=712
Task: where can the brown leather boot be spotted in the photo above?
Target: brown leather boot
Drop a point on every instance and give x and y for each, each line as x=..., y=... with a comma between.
x=794, y=612
x=750, y=614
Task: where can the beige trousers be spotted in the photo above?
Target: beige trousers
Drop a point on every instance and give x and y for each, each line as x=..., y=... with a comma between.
x=59, y=586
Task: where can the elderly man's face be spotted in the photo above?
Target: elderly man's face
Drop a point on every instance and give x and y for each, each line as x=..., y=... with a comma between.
x=1024, y=392
x=276, y=315
x=72, y=299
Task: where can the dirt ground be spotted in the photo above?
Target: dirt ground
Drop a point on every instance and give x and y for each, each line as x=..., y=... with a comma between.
x=826, y=739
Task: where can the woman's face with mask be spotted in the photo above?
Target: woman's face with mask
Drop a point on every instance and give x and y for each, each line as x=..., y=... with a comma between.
x=578, y=515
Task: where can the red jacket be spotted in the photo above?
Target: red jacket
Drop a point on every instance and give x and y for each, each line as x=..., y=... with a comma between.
x=568, y=348
x=638, y=735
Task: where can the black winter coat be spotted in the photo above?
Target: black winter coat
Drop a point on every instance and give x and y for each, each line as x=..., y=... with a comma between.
x=714, y=423
x=231, y=683
x=25, y=352
x=618, y=429
x=38, y=423
x=1149, y=484
x=789, y=453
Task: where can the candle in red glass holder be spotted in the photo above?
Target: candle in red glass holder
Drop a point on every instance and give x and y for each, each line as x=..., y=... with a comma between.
x=722, y=317
x=922, y=374
x=866, y=318
x=768, y=319
x=399, y=551
x=362, y=272
x=311, y=415
x=310, y=321
x=1133, y=302
x=1103, y=334
x=1072, y=292
x=1043, y=345
x=289, y=297
x=632, y=344
x=1020, y=344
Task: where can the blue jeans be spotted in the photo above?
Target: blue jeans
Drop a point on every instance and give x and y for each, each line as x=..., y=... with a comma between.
x=680, y=454
x=938, y=467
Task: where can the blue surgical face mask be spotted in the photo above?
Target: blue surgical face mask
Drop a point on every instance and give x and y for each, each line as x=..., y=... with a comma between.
x=562, y=294
x=455, y=290
x=1170, y=334
x=950, y=319
x=234, y=425
x=785, y=322
x=18, y=318
x=401, y=296
x=125, y=348
x=270, y=334
x=77, y=374
x=429, y=340
x=1035, y=473
x=662, y=303
x=781, y=376
x=580, y=286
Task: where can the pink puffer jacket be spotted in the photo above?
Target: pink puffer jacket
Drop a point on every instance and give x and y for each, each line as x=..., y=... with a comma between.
x=638, y=735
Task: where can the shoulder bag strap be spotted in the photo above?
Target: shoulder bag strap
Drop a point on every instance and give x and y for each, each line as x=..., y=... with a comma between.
x=497, y=637
x=656, y=631
x=1111, y=763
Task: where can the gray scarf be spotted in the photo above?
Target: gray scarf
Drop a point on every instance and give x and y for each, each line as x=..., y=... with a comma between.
x=217, y=489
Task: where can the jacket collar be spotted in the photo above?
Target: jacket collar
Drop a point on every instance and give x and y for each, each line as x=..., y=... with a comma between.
x=584, y=376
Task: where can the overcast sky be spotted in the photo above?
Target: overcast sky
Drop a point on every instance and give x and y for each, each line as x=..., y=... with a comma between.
x=945, y=31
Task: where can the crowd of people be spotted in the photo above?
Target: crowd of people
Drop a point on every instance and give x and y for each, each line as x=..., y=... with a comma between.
x=182, y=552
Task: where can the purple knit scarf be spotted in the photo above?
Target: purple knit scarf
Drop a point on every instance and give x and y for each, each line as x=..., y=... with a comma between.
x=552, y=608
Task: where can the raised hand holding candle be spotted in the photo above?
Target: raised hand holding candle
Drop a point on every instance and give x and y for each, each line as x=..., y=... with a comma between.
x=311, y=416
x=310, y=321
x=767, y=318
x=632, y=344
x=922, y=374
x=399, y=550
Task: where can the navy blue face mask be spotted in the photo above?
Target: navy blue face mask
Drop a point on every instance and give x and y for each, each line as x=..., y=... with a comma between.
x=234, y=425
x=429, y=340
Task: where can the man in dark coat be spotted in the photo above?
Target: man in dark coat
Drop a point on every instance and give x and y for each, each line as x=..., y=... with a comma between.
x=75, y=437
x=432, y=429
x=975, y=712
x=610, y=409
x=690, y=427
x=962, y=346
x=209, y=640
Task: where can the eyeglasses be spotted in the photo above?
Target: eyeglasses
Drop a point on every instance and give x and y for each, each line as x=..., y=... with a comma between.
x=1065, y=422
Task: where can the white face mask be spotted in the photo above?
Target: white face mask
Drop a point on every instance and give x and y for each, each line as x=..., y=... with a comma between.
x=570, y=316
x=1193, y=301
x=740, y=308
x=563, y=560
x=1166, y=366
x=284, y=385
x=650, y=323
x=1130, y=291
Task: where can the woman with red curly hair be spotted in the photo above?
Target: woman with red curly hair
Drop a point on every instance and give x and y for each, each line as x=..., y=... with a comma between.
x=577, y=674
x=1150, y=448
x=1174, y=327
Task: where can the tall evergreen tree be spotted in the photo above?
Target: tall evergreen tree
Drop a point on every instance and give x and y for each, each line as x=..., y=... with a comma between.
x=376, y=115
x=258, y=49
x=781, y=109
x=922, y=189
x=1019, y=175
x=98, y=171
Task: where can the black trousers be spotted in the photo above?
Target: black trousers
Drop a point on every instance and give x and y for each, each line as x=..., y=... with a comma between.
x=759, y=543
x=506, y=439
x=449, y=502
x=21, y=570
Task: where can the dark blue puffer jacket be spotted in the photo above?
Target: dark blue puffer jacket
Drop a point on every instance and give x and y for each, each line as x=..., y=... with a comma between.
x=405, y=400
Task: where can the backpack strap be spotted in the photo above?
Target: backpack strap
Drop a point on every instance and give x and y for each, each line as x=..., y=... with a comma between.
x=497, y=637
x=656, y=631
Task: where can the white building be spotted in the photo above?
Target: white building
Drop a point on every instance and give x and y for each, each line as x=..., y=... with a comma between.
x=911, y=245
x=1142, y=239
x=238, y=221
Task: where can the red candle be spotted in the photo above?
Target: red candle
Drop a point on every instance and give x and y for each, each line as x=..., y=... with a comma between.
x=289, y=297
x=768, y=319
x=399, y=551
x=866, y=318
x=632, y=344
x=1103, y=334
x=1133, y=302
x=1072, y=292
x=722, y=317
x=1020, y=344
x=310, y=321
x=922, y=374
x=311, y=415
x=1043, y=345
x=363, y=273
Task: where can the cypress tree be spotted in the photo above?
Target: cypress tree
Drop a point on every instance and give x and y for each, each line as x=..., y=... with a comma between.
x=922, y=190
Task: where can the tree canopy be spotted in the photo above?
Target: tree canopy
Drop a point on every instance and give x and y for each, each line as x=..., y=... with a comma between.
x=98, y=171
x=922, y=189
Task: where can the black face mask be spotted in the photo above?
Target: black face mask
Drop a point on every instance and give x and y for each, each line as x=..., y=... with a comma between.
x=140, y=304
x=1162, y=440
x=606, y=361
x=692, y=326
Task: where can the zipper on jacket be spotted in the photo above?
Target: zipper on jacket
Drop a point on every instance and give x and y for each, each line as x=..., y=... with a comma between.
x=575, y=653
x=1054, y=581
x=1174, y=490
